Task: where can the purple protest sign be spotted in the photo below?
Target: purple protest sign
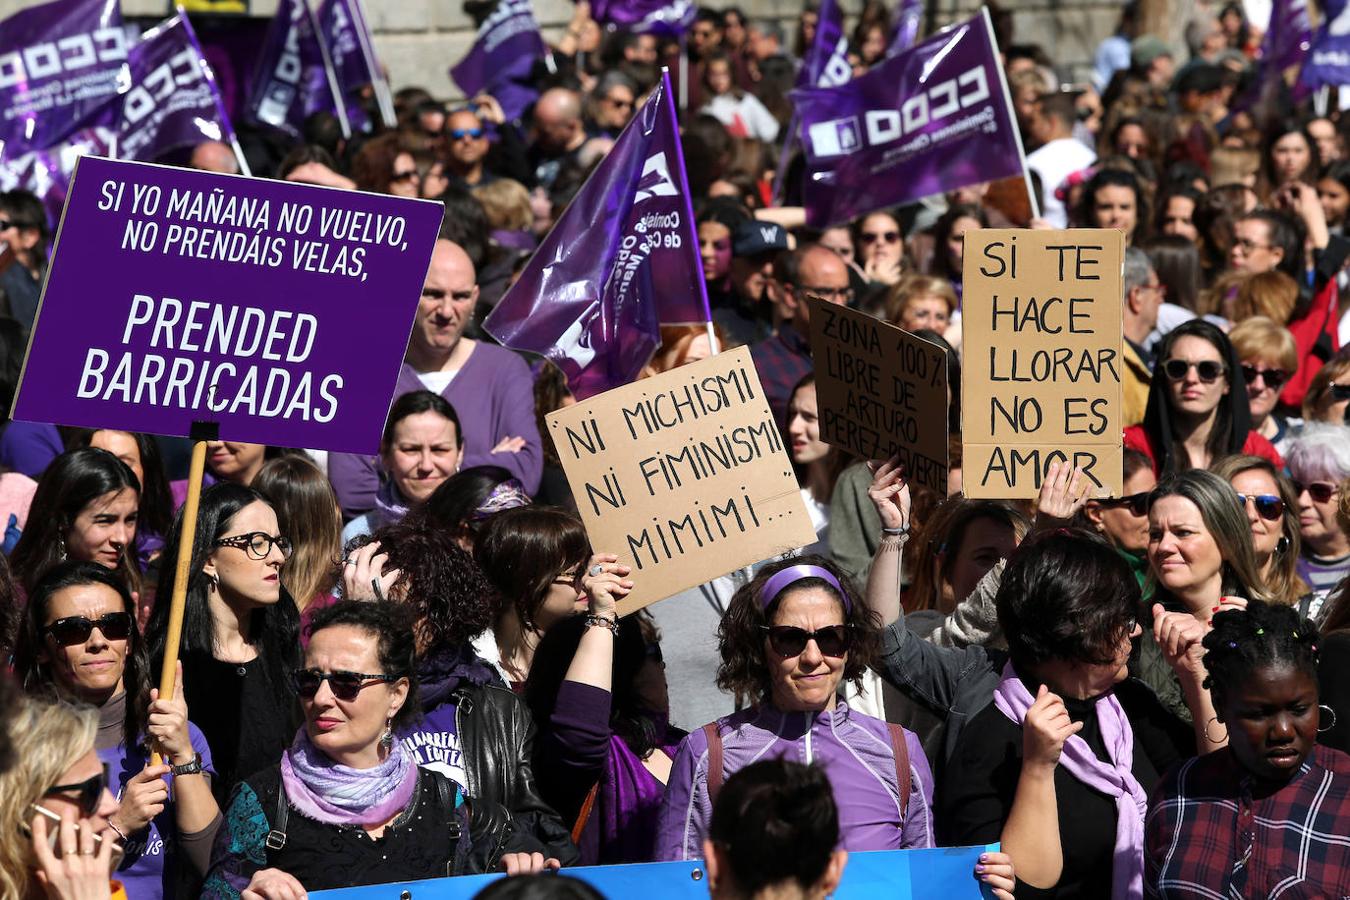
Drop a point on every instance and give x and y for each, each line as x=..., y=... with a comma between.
x=280, y=311
x=907, y=20
x=667, y=18
x=503, y=53
x=1328, y=61
x=340, y=25
x=929, y=120
x=173, y=100
x=621, y=261
x=292, y=81
x=59, y=67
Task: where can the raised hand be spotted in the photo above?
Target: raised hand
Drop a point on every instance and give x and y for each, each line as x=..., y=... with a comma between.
x=1045, y=729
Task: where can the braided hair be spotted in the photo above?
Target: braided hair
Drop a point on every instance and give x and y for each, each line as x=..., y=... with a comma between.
x=1262, y=635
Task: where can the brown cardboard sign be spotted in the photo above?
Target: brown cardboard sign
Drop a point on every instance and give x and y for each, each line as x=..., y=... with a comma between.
x=683, y=476
x=1042, y=330
x=881, y=391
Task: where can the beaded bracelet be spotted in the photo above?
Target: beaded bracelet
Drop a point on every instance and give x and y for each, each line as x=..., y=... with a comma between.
x=594, y=621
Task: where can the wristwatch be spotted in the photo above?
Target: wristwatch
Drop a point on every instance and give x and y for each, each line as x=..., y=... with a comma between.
x=192, y=768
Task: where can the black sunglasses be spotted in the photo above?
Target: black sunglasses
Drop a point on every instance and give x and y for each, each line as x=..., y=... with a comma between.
x=91, y=791
x=789, y=640
x=344, y=685
x=1137, y=503
x=1208, y=370
x=1272, y=377
x=1268, y=506
x=116, y=626
x=410, y=175
x=889, y=237
x=1319, y=491
x=1339, y=391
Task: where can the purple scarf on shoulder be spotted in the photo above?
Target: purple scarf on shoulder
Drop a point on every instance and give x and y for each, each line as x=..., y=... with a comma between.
x=1114, y=779
x=324, y=791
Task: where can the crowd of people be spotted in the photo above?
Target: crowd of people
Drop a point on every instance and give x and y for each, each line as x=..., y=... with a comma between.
x=412, y=665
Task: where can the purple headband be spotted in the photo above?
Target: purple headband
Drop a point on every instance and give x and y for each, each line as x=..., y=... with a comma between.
x=507, y=495
x=785, y=577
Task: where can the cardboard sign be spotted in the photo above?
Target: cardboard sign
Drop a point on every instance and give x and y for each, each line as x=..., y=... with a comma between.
x=1041, y=317
x=279, y=311
x=683, y=476
x=881, y=391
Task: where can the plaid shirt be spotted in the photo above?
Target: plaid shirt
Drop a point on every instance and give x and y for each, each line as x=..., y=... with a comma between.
x=781, y=361
x=1207, y=836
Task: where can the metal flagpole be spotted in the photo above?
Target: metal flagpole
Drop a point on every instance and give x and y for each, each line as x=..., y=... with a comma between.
x=338, y=100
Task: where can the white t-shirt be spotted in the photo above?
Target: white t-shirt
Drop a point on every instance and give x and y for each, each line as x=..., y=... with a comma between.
x=1052, y=163
x=437, y=382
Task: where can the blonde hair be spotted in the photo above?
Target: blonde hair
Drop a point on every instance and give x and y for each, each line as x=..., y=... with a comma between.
x=1264, y=339
x=506, y=203
x=1271, y=294
x=915, y=287
x=48, y=739
x=1234, y=165
x=676, y=343
x=307, y=511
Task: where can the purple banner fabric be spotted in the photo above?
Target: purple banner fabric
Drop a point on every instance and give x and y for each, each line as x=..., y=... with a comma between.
x=666, y=18
x=622, y=260
x=826, y=63
x=59, y=67
x=1328, y=62
x=907, y=21
x=932, y=119
x=173, y=100
x=291, y=83
x=279, y=310
x=503, y=53
x=46, y=173
x=1288, y=36
x=339, y=22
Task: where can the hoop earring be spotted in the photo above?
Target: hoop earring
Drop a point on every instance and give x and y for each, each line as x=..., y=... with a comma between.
x=1322, y=706
x=1213, y=719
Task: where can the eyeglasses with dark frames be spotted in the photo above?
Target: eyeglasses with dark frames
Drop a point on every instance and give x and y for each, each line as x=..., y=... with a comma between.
x=258, y=544
x=1273, y=378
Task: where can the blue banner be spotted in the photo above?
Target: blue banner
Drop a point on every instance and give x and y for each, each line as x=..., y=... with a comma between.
x=946, y=872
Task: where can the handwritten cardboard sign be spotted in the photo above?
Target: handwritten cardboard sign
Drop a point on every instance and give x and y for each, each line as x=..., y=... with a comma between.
x=881, y=391
x=683, y=476
x=1041, y=316
x=278, y=311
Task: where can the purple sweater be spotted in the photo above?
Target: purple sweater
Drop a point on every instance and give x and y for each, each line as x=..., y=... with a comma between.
x=853, y=749
x=493, y=396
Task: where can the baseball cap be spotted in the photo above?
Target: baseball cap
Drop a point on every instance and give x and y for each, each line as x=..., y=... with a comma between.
x=755, y=237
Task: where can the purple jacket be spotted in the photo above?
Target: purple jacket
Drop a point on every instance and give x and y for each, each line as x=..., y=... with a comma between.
x=493, y=395
x=855, y=752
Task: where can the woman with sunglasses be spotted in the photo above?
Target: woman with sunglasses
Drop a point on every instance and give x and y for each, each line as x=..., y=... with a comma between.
x=789, y=639
x=85, y=509
x=1271, y=506
x=1319, y=462
x=1266, y=815
x=881, y=250
x=1124, y=520
x=1197, y=404
x=347, y=804
x=385, y=165
x=80, y=644
x=241, y=631
x=54, y=808
x=1328, y=397
x=1269, y=358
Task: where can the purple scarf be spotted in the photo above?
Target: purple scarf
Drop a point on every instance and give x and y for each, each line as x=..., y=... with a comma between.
x=390, y=505
x=1114, y=780
x=324, y=791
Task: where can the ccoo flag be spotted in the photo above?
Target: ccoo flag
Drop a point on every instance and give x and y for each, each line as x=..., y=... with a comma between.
x=60, y=64
x=292, y=80
x=621, y=261
x=928, y=120
x=666, y=18
x=173, y=100
x=502, y=56
x=826, y=63
x=343, y=27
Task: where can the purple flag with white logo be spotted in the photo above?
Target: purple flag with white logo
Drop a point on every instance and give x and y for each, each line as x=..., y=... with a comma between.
x=503, y=53
x=1286, y=43
x=341, y=23
x=826, y=63
x=621, y=261
x=59, y=67
x=929, y=120
x=907, y=20
x=173, y=100
x=667, y=18
x=291, y=83
x=1328, y=61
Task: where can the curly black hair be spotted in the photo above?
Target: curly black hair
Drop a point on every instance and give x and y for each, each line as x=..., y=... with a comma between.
x=745, y=671
x=449, y=596
x=1262, y=635
x=391, y=626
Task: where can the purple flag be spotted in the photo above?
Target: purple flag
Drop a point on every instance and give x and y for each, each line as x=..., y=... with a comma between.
x=1288, y=36
x=201, y=296
x=341, y=24
x=907, y=20
x=173, y=100
x=932, y=119
x=503, y=53
x=59, y=67
x=291, y=83
x=620, y=262
x=1328, y=62
x=46, y=173
x=668, y=18
x=826, y=63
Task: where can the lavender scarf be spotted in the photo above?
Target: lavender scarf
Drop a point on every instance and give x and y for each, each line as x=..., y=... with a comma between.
x=1115, y=780
x=324, y=791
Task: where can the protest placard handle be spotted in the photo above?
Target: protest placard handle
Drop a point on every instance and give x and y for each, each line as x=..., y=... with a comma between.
x=187, y=536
